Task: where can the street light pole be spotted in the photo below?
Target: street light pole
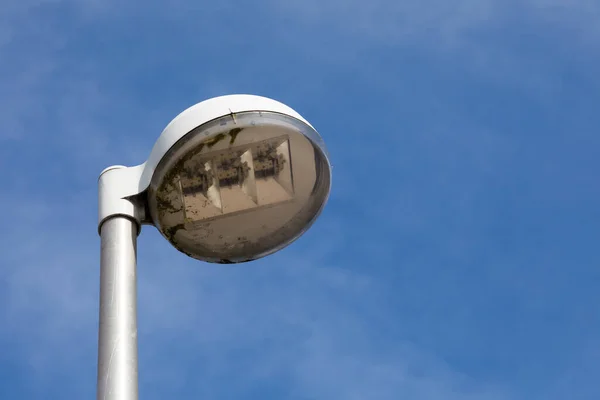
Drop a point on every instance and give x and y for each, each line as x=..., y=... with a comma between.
x=117, y=334
x=220, y=186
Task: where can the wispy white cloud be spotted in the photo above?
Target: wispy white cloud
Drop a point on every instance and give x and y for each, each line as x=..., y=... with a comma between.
x=396, y=22
x=304, y=322
x=525, y=44
x=438, y=23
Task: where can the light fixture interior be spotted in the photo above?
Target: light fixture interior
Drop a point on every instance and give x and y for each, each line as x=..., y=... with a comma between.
x=240, y=187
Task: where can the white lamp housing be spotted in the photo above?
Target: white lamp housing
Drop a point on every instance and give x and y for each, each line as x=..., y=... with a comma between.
x=230, y=179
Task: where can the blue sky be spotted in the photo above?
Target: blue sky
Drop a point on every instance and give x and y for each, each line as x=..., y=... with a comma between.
x=456, y=260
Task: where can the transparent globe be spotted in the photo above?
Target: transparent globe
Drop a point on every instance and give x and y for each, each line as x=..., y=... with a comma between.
x=240, y=187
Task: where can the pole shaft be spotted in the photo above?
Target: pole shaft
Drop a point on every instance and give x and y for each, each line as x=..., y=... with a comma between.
x=117, y=334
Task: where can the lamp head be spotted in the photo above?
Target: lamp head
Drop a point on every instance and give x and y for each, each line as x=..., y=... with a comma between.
x=236, y=178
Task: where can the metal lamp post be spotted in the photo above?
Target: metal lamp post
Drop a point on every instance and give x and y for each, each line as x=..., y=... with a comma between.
x=231, y=179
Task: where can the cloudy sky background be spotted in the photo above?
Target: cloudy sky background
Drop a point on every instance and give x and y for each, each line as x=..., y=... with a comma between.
x=457, y=258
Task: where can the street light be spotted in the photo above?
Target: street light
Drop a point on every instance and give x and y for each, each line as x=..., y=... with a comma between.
x=231, y=179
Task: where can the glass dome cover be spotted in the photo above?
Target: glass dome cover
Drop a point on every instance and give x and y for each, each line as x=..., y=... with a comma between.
x=240, y=187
